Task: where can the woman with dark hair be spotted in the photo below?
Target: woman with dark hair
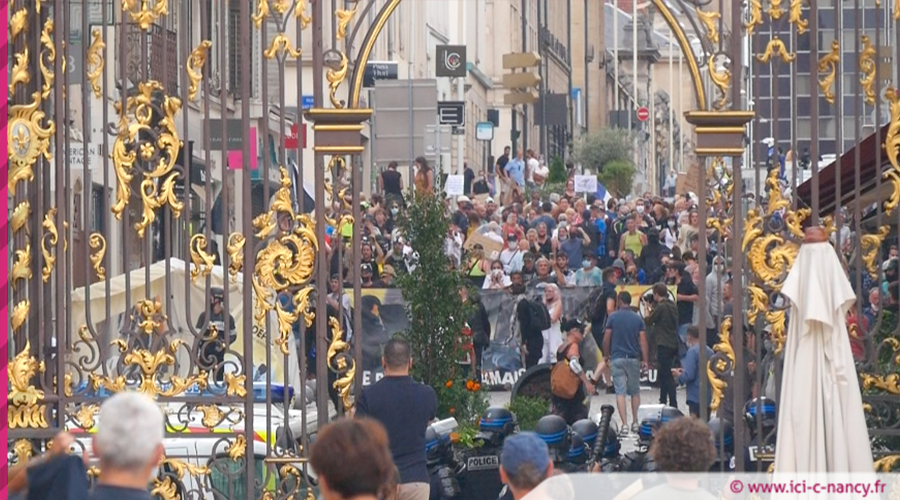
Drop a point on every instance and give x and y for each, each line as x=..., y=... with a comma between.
x=424, y=176
x=573, y=409
x=352, y=459
x=391, y=183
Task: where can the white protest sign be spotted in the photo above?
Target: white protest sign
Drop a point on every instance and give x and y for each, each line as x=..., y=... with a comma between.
x=454, y=186
x=585, y=184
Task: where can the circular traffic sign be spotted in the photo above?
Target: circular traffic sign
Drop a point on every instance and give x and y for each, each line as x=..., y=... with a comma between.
x=643, y=114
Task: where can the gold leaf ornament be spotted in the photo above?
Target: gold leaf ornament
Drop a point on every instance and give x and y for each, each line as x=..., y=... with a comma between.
x=709, y=20
x=716, y=366
x=796, y=17
x=21, y=268
x=27, y=140
x=828, y=68
x=21, y=372
x=335, y=77
x=202, y=261
x=775, y=10
x=235, y=249
x=262, y=11
x=870, y=244
x=145, y=12
x=344, y=16
x=776, y=47
x=18, y=23
x=85, y=416
x=98, y=244
x=48, y=51
x=867, y=68
x=194, y=67
x=280, y=45
x=238, y=448
x=19, y=314
x=300, y=13
x=755, y=17
x=20, y=217
x=892, y=148
x=20, y=73
x=722, y=81
x=49, y=240
x=95, y=61
x=339, y=347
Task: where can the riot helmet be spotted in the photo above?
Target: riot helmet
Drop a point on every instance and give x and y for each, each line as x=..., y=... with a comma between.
x=432, y=445
x=723, y=433
x=761, y=409
x=554, y=431
x=651, y=423
x=587, y=429
x=496, y=424
x=578, y=452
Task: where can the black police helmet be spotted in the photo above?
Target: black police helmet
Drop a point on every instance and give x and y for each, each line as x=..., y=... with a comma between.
x=613, y=446
x=498, y=420
x=668, y=414
x=650, y=424
x=555, y=432
x=761, y=409
x=432, y=444
x=723, y=433
x=577, y=451
x=587, y=429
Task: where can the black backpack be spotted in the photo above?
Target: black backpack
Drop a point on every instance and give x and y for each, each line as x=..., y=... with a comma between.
x=540, y=316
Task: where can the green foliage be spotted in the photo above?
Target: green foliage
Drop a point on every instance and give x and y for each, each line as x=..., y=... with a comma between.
x=437, y=315
x=617, y=176
x=557, y=171
x=467, y=433
x=529, y=410
x=594, y=151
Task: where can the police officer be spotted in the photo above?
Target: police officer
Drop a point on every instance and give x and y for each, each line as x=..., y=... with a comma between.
x=610, y=460
x=480, y=476
x=442, y=466
x=760, y=412
x=723, y=433
x=217, y=337
x=577, y=457
x=558, y=436
x=640, y=460
x=587, y=429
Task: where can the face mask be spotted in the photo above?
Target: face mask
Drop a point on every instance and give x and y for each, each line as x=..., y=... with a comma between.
x=640, y=209
x=671, y=223
x=720, y=268
x=586, y=264
x=563, y=237
x=395, y=211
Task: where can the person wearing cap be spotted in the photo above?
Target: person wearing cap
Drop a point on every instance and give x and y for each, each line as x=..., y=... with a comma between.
x=524, y=463
x=573, y=409
x=387, y=276
x=217, y=337
x=366, y=276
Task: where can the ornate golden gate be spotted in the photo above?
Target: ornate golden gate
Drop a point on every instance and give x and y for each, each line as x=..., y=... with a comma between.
x=780, y=84
x=137, y=195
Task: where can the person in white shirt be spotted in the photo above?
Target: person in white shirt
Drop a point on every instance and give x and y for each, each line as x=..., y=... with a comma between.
x=532, y=167
x=497, y=279
x=512, y=257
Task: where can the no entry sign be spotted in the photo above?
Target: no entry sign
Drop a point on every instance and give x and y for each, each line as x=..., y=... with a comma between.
x=643, y=114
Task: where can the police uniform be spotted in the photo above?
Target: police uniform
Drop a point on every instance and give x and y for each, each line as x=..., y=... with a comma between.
x=480, y=478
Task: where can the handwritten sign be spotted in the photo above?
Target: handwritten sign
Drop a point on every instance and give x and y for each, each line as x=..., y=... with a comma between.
x=454, y=186
x=585, y=184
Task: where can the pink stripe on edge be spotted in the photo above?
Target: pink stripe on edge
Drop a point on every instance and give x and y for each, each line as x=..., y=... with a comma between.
x=4, y=252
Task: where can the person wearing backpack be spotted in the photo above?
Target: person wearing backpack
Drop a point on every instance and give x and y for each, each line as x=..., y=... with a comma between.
x=523, y=324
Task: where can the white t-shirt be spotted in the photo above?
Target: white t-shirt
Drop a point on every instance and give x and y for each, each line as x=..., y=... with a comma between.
x=533, y=166
x=543, y=172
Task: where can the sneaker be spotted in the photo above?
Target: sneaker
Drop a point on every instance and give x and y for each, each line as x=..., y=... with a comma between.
x=635, y=428
x=624, y=430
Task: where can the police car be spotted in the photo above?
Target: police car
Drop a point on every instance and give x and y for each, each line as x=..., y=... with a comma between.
x=211, y=474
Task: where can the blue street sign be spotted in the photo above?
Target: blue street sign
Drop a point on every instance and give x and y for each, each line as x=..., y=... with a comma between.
x=308, y=101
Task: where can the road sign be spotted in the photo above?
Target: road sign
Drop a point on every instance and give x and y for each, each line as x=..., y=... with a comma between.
x=452, y=113
x=450, y=60
x=643, y=114
x=379, y=70
x=308, y=101
x=484, y=131
x=520, y=80
x=292, y=140
x=521, y=60
x=515, y=98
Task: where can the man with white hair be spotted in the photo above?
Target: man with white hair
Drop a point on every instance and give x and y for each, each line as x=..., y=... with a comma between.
x=129, y=444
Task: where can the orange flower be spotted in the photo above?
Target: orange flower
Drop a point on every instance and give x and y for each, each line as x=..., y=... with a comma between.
x=452, y=410
x=470, y=384
x=476, y=387
x=449, y=384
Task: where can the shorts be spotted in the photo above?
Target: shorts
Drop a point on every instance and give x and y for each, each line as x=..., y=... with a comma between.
x=626, y=375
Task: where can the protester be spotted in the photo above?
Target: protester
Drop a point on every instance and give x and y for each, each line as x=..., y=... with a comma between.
x=55, y=475
x=424, y=179
x=573, y=409
x=588, y=274
x=217, y=337
x=663, y=328
x=352, y=460
x=626, y=342
x=553, y=335
x=524, y=463
x=497, y=279
x=689, y=373
x=686, y=295
x=522, y=327
x=715, y=280
x=480, y=324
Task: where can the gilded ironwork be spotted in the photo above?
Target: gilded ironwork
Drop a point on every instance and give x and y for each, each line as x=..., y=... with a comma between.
x=709, y=20
x=85, y=414
x=341, y=362
x=27, y=139
x=887, y=464
x=796, y=17
x=262, y=11
x=25, y=408
x=889, y=383
x=48, y=240
x=776, y=47
x=238, y=447
x=98, y=244
x=234, y=385
x=871, y=244
x=212, y=415
x=194, y=67
x=202, y=262
x=23, y=450
x=335, y=77
x=867, y=68
x=300, y=13
x=19, y=314
x=828, y=68
x=20, y=217
x=344, y=16
x=20, y=73
x=771, y=243
x=775, y=10
x=21, y=268
x=285, y=264
x=892, y=148
x=145, y=12
x=755, y=16
x=721, y=364
x=722, y=81
x=95, y=61
x=17, y=23
x=235, y=248
x=281, y=45
x=48, y=51
x=151, y=147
